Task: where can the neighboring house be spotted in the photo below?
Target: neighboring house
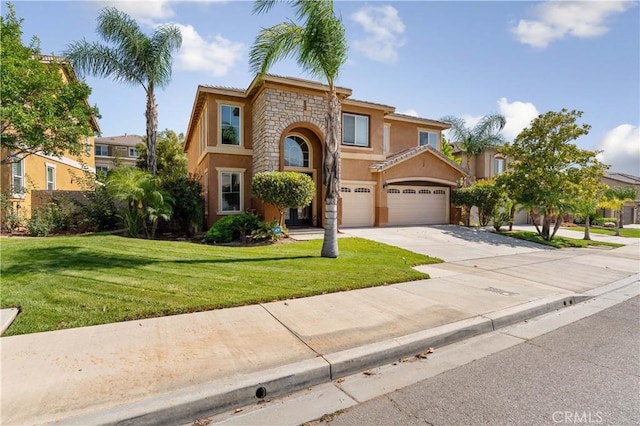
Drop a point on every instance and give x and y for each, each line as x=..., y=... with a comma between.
x=631, y=211
x=484, y=166
x=39, y=172
x=392, y=170
x=111, y=150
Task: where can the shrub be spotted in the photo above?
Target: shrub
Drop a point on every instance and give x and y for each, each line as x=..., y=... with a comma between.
x=266, y=231
x=39, y=224
x=188, y=209
x=10, y=216
x=283, y=190
x=232, y=227
x=100, y=210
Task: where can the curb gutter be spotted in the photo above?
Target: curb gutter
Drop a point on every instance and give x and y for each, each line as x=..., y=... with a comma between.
x=185, y=405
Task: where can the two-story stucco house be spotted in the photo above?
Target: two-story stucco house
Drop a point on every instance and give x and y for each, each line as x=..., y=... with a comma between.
x=111, y=150
x=392, y=170
x=631, y=210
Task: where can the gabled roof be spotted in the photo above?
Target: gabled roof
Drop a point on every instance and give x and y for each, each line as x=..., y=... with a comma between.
x=418, y=120
x=124, y=140
x=623, y=177
x=405, y=155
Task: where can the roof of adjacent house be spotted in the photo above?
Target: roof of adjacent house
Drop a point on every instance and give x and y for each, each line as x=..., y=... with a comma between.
x=623, y=177
x=410, y=153
x=458, y=148
x=124, y=140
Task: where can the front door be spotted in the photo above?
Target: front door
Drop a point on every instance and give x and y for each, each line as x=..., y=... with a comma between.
x=298, y=217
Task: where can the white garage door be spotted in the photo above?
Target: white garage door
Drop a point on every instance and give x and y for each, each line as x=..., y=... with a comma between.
x=418, y=205
x=357, y=205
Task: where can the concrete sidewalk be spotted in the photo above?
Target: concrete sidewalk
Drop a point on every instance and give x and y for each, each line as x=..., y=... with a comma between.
x=174, y=369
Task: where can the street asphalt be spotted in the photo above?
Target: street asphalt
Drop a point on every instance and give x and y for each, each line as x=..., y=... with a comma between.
x=171, y=369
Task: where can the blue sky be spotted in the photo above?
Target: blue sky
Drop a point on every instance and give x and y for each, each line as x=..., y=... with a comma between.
x=426, y=58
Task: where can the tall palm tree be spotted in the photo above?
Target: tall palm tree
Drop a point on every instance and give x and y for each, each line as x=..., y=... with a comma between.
x=478, y=139
x=134, y=58
x=320, y=48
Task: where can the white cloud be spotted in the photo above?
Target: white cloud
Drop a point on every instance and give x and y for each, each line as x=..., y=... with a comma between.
x=558, y=19
x=518, y=116
x=216, y=56
x=384, y=29
x=621, y=149
x=412, y=112
x=145, y=11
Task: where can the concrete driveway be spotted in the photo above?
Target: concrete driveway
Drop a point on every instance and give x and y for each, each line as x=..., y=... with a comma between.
x=450, y=243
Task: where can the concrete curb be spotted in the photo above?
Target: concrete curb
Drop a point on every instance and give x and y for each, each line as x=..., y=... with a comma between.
x=7, y=316
x=186, y=405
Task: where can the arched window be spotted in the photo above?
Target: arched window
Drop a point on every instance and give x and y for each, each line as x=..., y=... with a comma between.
x=296, y=152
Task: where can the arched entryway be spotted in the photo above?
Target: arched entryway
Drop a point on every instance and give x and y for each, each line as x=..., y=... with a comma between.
x=297, y=154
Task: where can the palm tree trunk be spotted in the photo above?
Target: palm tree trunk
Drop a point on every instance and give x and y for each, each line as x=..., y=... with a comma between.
x=152, y=129
x=619, y=216
x=587, y=225
x=331, y=175
x=555, y=228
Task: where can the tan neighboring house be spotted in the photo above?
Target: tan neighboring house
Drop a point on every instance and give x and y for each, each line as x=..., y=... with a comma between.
x=39, y=172
x=392, y=170
x=111, y=150
x=631, y=211
x=485, y=166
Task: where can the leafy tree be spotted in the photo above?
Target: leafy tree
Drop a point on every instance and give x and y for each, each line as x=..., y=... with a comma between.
x=478, y=139
x=146, y=202
x=134, y=58
x=447, y=150
x=615, y=198
x=320, y=48
x=590, y=195
x=188, y=202
x=283, y=190
x=40, y=111
x=546, y=171
x=171, y=160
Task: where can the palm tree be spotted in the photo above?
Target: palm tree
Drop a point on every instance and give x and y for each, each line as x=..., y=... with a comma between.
x=320, y=48
x=478, y=139
x=134, y=58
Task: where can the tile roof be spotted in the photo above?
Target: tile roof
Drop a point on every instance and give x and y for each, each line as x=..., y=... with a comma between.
x=623, y=177
x=408, y=153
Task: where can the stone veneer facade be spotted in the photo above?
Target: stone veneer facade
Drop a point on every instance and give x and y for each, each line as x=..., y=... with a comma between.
x=273, y=111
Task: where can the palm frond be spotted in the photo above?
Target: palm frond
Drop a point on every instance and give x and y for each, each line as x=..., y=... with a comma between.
x=324, y=46
x=273, y=44
x=491, y=124
x=164, y=41
x=458, y=131
x=263, y=6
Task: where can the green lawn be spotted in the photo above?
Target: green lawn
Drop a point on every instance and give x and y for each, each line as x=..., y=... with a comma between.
x=65, y=282
x=624, y=232
x=557, y=241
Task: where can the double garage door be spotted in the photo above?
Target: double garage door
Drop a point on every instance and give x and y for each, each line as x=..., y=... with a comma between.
x=408, y=205
x=418, y=205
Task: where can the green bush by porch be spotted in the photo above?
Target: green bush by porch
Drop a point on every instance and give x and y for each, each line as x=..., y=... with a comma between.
x=65, y=282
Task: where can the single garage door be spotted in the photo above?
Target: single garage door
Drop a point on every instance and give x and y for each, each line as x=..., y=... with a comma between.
x=418, y=205
x=357, y=205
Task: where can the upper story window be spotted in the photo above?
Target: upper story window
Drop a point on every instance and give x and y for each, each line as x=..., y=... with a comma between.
x=230, y=131
x=17, y=173
x=296, y=152
x=386, y=132
x=102, y=150
x=133, y=152
x=499, y=164
x=428, y=138
x=51, y=177
x=355, y=130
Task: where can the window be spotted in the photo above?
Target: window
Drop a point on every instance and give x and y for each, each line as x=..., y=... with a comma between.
x=17, y=172
x=424, y=191
x=102, y=170
x=296, y=152
x=345, y=189
x=385, y=138
x=133, y=153
x=368, y=190
x=102, y=150
x=393, y=191
x=51, y=178
x=498, y=165
x=355, y=130
x=230, y=125
x=428, y=138
x=440, y=192
x=230, y=192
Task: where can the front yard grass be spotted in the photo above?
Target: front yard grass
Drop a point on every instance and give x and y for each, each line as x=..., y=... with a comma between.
x=557, y=241
x=624, y=232
x=65, y=282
